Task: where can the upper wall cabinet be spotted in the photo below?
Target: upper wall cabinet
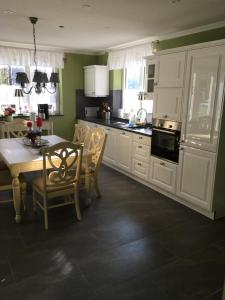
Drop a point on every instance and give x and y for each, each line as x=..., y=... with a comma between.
x=203, y=97
x=171, y=70
x=151, y=74
x=96, y=81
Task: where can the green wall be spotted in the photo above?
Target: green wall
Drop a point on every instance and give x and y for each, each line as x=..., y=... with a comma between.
x=200, y=37
x=72, y=78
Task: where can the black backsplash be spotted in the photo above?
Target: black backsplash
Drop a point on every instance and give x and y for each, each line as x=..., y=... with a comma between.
x=114, y=99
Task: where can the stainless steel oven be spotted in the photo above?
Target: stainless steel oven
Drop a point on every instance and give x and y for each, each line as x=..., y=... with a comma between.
x=165, y=139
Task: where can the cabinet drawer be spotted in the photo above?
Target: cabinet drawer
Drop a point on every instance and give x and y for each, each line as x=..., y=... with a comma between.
x=163, y=174
x=140, y=168
x=146, y=140
x=141, y=151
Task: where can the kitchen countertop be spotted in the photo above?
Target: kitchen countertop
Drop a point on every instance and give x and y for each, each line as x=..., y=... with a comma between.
x=122, y=125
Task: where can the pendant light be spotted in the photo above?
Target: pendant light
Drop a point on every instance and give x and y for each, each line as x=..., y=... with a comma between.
x=40, y=78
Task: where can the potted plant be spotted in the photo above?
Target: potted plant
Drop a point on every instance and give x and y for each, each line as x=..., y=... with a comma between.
x=8, y=113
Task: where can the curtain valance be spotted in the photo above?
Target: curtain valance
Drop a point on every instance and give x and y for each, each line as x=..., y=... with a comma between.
x=119, y=59
x=24, y=57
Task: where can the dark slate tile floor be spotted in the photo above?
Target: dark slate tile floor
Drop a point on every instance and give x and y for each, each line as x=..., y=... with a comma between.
x=132, y=244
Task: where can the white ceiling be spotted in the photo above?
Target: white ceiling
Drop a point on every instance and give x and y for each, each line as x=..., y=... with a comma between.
x=95, y=25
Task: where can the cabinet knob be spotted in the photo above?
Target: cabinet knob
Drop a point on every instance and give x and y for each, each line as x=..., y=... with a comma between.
x=123, y=133
x=181, y=148
x=140, y=147
x=139, y=164
x=165, y=116
x=162, y=164
x=155, y=83
x=140, y=137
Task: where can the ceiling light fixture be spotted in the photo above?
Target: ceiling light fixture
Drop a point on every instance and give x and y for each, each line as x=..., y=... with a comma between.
x=40, y=79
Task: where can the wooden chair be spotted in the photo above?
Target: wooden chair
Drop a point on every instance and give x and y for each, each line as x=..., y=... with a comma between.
x=16, y=128
x=81, y=135
x=61, y=180
x=96, y=147
x=6, y=185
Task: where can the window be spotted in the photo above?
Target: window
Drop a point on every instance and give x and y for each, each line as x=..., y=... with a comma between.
x=133, y=84
x=28, y=102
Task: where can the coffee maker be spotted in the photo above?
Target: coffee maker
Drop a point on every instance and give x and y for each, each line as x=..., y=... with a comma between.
x=43, y=110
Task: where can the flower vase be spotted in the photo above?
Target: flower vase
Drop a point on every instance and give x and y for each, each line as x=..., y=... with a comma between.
x=9, y=118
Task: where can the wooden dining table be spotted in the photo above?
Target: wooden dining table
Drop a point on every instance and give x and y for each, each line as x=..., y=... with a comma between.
x=21, y=157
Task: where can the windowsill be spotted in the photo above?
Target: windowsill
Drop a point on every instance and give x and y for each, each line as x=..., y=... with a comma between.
x=2, y=118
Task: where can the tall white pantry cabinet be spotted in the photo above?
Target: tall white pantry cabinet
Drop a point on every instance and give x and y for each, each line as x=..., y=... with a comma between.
x=201, y=168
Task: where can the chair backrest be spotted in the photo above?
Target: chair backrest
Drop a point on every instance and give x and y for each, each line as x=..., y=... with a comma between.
x=81, y=135
x=61, y=164
x=97, y=146
x=16, y=128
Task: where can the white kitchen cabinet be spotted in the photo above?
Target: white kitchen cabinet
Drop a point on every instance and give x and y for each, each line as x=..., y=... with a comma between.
x=124, y=150
x=111, y=149
x=96, y=81
x=167, y=103
x=196, y=176
x=151, y=76
x=203, y=97
x=171, y=70
x=140, y=155
x=163, y=174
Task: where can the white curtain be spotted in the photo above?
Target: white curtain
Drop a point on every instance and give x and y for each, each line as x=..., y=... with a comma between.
x=24, y=57
x=119, y=59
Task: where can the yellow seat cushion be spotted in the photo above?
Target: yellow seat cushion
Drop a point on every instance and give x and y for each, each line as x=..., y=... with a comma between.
x=38, y=184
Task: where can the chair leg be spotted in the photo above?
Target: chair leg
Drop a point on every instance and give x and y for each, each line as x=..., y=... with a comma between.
x=88, y=190
x=34, y=202
x=77, y=205
x=24, y=194
x=46, y=214
x=96, y=186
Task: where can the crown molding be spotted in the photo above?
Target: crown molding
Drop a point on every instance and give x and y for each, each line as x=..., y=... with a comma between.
x=169, y=35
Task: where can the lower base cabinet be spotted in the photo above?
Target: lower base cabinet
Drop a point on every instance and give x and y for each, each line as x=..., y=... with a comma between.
x=163, y=174
x=110, y=153
x=124, y=143
x=140, y=168
x=195, y=176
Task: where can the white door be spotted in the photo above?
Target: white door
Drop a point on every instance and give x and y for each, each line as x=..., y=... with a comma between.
x=163, y=174
x=110, y=153
x=171, y=70
x=124, y=150
x=89, y=81
x=203, y=97
x=196, y=176
x=167, y=103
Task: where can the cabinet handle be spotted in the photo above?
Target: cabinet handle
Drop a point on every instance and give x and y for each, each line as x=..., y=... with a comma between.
x=140, y=147
x=140, y=137
x=165, y=116
x=123, y=133
x=181, y=149
x=155, y=83
x=139, y=164
x=162, y=164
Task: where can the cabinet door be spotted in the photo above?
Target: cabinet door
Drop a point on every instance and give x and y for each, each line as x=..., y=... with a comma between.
x=89, y=82
x=150, y=78
x=167, y=103
x=163, y=174
x=110, y=153
x=203, y=97
x=124, y=150
x=196, y=176
x=101, y=81
x=140, y=168
x=171, y=70
x=141, y=151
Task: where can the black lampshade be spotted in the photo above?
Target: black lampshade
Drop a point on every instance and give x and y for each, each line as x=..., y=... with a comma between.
x=54, y=78
x=44, y=78
x=37, y=77
x=21, y=78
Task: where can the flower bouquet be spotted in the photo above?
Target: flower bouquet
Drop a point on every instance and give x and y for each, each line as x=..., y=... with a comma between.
x=8, y=113
x=32, y=135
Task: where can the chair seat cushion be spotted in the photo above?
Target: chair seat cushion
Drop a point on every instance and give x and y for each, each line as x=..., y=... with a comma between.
x=38, y=184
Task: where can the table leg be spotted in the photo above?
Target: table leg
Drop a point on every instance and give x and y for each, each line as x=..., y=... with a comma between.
x=16, y=198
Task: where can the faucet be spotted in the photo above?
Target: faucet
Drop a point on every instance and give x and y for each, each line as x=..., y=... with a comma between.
x=140, y=112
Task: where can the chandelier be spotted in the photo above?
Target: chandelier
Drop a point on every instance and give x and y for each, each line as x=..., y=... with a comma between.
x=40, y=79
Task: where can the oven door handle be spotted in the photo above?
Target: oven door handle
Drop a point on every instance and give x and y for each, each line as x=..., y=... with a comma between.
x=164, y=131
